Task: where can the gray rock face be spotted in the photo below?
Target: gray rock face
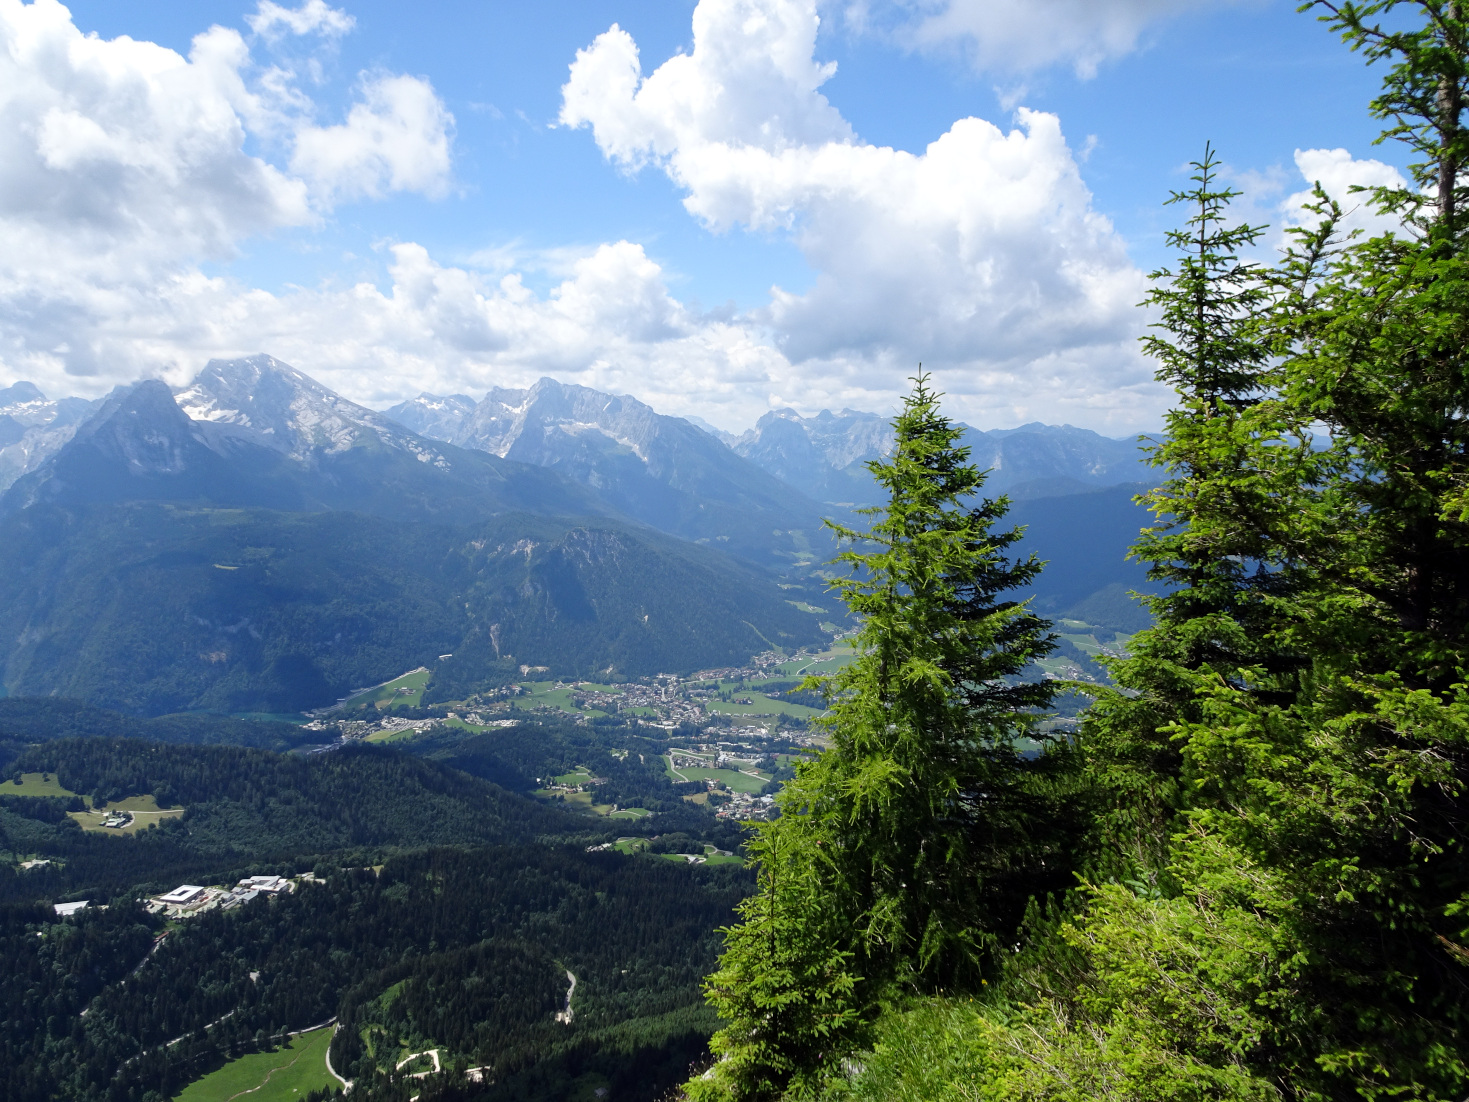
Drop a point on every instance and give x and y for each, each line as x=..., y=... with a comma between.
x=432, y=416
x=33, y=428
x=823, y=456
x=256, y=432
x=661, y=470
x=274, y=404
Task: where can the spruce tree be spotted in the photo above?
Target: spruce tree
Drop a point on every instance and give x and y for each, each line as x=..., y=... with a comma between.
x=914, y=842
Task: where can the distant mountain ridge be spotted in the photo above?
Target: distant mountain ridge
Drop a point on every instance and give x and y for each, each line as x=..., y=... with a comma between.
x=33, y=428
x=256, y=542
x=153, y=608
x=658, y=469
x=825, y=455
x=287, y=409
x=258, y=433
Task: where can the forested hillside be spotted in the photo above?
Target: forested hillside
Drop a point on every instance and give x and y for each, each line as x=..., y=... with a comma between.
x=28, y=720
x=243, y=806
x=154, y=608
x=462, y=949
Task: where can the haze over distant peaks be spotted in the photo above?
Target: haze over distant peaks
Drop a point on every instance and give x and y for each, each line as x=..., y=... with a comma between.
x=825, y=455
x=661, y=470
x=257, y=432
x=32, y=427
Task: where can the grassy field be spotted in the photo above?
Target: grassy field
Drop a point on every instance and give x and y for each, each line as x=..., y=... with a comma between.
x=388, y=694
x=145, y=811
x=31, y=784
x=828, y=661
x=291, y=1073
x=733, y=779
x=762, y=706
x=545, y=694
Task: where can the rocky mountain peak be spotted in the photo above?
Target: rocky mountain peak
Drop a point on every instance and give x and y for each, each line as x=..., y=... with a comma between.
x=277, y=405
x=21, y=393
x=143, y=428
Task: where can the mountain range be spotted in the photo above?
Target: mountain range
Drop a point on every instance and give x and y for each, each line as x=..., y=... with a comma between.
x=825, y=455
x=660, y=470
x=255, y=542
x=32, y=428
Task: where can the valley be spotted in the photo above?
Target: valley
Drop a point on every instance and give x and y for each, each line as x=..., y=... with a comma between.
x=316, y=714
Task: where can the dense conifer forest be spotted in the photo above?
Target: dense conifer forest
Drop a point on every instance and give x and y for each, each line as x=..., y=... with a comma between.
x=150, y=608
x=408, y=943
x=462, y=948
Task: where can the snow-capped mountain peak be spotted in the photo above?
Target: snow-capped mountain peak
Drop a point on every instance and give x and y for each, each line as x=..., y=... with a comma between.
x=287, y=409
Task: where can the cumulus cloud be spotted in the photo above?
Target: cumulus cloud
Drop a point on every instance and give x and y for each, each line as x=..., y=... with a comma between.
x=127, y=164
x=1338, y=172
x=1019, y=36
x=313, y=17
x=396, y=139
x=124, y=164
x=980, y=255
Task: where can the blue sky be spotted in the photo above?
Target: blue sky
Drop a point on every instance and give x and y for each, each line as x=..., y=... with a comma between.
x=641, y=237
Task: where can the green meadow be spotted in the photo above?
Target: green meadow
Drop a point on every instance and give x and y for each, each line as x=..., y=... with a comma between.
x=291, y=1073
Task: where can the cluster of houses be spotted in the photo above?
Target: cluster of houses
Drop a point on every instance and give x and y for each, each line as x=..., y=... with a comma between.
x=192, y=899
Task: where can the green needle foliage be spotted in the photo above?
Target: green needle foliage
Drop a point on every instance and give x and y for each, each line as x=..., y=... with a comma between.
x=910, y=848
x=1274, y=900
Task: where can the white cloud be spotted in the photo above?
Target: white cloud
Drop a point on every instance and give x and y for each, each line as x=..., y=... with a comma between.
x=981, y=256
x=1338, y=172
x=396, y=139
x=312, y=17
x=124, y=164
x=1020, y=36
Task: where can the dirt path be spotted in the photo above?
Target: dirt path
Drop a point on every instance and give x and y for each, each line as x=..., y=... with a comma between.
x=431, y=1053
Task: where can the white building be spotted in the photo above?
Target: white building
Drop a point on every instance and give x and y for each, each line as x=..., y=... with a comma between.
x=182, y=896
x=64, y=910
x=270, y=884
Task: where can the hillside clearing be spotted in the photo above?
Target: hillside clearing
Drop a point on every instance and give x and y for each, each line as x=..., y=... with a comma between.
x=289, y=1074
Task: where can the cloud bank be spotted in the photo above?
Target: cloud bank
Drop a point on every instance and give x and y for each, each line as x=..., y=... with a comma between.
x=1012, y=37
x=126, y=169
x=981, y=256
x=124, y=164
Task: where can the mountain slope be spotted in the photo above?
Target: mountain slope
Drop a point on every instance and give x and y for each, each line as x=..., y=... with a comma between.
x=1084, y=539
x=267, y=436
x=824, y=456
x=660, y=470
x=152, y=608
x=33, y=428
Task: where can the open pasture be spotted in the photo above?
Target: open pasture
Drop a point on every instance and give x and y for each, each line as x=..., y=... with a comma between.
x=289, y=1074
x=32, y=784
x=405, y=689
x=145, y=809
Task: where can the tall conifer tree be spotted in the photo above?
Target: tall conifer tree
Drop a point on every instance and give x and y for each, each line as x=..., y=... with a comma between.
x=918, y=837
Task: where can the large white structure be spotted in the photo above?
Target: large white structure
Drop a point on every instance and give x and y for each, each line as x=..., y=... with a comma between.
x=182, y=896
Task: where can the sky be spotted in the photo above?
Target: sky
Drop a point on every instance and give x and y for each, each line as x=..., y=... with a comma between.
x=720, y=207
